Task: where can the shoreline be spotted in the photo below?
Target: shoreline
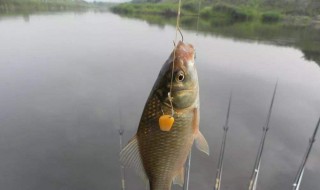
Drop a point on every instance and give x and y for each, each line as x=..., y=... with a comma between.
x=222, y=13
x=20, y=7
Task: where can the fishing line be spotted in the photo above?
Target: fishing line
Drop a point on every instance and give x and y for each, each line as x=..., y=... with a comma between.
x=198, y=18
x=166, y=121
x=174, y=54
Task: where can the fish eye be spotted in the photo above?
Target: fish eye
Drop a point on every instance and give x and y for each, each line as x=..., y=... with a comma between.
x=180, y=76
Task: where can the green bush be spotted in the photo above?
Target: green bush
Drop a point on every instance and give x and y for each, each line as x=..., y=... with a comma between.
x=124, y=9
x=190, y=6
x=271, y=17
x=169, y=12
x=242, y=15
x=234, y=13
x=205, y=13
x=221, y=7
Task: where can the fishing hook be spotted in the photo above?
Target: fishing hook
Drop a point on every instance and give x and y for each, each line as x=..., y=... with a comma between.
x=162, y=110
x=180, y=34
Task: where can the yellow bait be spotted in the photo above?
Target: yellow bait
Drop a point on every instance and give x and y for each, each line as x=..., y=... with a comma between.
x=166, y=122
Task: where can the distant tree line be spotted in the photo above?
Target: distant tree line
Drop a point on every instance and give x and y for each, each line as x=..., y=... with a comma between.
x=297, y=7
x=7, y=6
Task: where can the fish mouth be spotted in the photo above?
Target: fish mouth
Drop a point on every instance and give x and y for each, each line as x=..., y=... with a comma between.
x=183, y=90
x=185, y=51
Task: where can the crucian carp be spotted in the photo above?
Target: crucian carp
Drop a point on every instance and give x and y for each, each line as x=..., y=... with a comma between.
x=159, y=155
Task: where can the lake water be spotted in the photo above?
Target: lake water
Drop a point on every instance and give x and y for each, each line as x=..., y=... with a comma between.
x=68, y=81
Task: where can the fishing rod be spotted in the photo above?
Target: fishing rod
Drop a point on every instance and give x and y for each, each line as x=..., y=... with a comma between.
x=123, y=187
x=298, y=178
x=221, y=156
x=256, y=169
x=187, y=172
x=122, y=171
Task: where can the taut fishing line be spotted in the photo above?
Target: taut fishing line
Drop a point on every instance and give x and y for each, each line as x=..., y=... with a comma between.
x=174, y=54
x=166, y=121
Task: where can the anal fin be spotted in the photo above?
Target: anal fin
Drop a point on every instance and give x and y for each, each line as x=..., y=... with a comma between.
x=179, y=178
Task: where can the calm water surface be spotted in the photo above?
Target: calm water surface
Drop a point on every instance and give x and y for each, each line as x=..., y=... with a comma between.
x=69, y=81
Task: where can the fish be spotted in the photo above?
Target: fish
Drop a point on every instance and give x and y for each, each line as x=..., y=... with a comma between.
x=159, y=156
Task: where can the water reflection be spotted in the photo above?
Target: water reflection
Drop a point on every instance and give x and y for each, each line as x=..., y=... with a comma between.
x=307, y=39
x=26, y=18
x=64, y=78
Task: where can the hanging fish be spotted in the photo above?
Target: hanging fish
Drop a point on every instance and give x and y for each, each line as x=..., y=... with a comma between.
x=159, y=155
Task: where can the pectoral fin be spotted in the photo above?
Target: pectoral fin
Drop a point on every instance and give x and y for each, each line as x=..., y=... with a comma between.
x=130, y=157
x=201, y=143
x=179, y=178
